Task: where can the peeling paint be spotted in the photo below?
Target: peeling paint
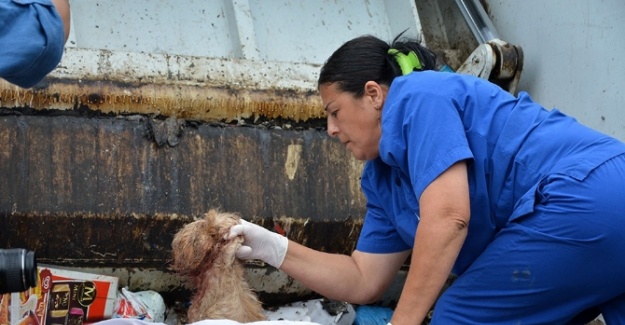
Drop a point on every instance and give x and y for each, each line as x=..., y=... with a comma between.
x=293, y=156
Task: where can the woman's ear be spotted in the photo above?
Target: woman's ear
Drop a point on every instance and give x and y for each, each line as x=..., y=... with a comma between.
x=376, y=92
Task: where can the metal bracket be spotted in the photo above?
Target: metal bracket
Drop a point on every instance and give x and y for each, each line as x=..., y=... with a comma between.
x=494, y=59
x=497, y=61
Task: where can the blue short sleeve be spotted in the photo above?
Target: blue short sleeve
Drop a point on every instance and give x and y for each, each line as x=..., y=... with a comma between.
x=422, y=130
x=32, y=38
x=380, y=232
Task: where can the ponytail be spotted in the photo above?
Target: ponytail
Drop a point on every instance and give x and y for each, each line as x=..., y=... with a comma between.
x=367, y=58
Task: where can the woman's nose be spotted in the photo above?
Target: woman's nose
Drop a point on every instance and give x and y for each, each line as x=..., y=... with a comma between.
x=333, y=130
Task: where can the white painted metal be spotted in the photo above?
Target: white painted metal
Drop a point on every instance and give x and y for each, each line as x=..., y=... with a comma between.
x=298, y=31
x=188, y=27
x=308, y=31
x=574, y=54
x=159, y=67
x=277, y=43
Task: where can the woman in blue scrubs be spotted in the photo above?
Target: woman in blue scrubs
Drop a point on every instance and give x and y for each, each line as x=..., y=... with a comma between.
x=525, y=205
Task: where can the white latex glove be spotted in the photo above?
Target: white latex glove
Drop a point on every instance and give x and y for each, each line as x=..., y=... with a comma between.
x=260, y=243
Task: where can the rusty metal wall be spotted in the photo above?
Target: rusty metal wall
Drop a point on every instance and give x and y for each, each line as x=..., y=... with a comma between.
x=106, y=190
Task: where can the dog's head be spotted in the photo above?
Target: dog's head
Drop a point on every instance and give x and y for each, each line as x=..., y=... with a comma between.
x=202, y=243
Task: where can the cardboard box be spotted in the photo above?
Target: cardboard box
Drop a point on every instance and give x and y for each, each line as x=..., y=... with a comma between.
x=62, y=297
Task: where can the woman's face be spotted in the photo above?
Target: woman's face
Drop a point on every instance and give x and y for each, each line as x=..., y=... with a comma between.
x=355, y=121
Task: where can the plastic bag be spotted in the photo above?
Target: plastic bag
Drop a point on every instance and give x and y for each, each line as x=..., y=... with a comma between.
x=145, y=305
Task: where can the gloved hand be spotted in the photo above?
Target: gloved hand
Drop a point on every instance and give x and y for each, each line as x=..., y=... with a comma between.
x=260, y=243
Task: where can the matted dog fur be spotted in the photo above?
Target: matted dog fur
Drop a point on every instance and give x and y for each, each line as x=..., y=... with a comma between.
x=201, y=252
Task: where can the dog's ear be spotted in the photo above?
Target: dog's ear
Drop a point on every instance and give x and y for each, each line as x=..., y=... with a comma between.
x=220, y=222
x=191, y=244
x=211, y=214
x=215, y=226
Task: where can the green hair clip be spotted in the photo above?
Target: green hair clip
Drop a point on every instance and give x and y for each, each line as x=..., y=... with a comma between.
x=407, y=62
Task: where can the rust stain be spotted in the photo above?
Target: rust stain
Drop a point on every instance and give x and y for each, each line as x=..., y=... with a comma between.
x=201, y=102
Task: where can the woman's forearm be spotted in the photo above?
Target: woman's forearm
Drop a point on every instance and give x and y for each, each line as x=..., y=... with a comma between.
x=62, y=7
x=445, y=214
x=436, y=249
x=359, y=278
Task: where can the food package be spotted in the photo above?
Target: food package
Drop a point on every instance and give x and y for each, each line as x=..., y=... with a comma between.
x=61, y=297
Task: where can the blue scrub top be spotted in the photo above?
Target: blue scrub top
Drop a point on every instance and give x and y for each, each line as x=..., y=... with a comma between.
x=432, y=120
x=32, y=38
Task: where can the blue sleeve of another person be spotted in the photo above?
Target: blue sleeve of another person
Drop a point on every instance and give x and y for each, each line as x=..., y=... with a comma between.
x=31, y=40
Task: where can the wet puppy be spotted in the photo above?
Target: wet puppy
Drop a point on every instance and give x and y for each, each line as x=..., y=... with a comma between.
x=221, y=291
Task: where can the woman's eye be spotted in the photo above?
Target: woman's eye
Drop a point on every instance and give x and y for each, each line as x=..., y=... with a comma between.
x=334, y=113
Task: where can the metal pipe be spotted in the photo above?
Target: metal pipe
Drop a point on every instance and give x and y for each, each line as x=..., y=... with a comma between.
x=478, y=20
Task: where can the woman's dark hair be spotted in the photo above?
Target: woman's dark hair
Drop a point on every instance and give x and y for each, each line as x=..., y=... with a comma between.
x=366, y=58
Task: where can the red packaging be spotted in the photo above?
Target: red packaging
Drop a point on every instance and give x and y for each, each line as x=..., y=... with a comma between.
x=62, y=297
